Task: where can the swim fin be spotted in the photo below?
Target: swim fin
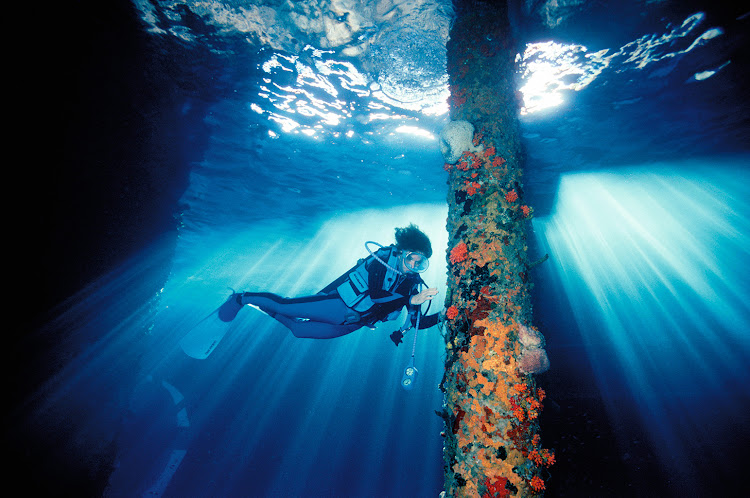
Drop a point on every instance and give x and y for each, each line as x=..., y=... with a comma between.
x=203, y=338
x=231, y=307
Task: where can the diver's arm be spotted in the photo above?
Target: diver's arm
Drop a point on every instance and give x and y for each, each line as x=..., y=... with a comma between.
x=423, y=296
x=425, y=321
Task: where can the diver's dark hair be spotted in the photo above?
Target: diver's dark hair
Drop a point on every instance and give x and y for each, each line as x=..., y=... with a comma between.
x=412, y=238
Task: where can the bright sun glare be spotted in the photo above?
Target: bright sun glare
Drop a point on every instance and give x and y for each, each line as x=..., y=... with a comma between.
x=549, y=69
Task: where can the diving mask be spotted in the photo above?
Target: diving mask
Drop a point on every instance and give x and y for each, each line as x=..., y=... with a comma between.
x=415, y=261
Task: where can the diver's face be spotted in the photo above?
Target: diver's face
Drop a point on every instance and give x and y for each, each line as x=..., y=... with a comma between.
x=413, y=262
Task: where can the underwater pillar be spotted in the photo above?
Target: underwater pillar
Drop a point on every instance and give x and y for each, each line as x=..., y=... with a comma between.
x=492, y=445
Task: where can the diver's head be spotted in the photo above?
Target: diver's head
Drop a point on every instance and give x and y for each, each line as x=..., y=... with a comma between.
x=415, y=249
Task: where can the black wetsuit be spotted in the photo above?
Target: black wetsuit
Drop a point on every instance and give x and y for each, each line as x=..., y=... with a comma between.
x=324, y=315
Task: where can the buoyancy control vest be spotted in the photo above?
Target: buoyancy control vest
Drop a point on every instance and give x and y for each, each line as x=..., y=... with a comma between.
x=355, y=289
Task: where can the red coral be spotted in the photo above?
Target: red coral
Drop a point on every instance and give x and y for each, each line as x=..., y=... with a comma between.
x=451, y=312
x=459, y=253
x=526, y=210
x=458, y=97
x=549, y=457
x=466, y=161
x=489, y=152
x=482, y=309
x=498, y=161
x=457, y=421
x=496, y=489
x=536, y=457
x=511, y=196
x=537, y=483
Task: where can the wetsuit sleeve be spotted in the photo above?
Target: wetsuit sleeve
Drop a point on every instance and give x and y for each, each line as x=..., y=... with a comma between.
x=425, y=321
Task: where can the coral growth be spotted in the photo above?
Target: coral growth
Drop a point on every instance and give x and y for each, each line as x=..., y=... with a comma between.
x=537, y=483
x=534, y=361
x=529, y=337
x=492, y=403
x=459, y=253
x=455, y=139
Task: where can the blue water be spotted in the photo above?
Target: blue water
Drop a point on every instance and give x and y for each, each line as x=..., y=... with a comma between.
x=258, y=146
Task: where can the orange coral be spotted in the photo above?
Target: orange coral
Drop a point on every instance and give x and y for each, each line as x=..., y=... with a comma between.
x=549, y=457
x=488, y=253
x=535, y=405
x=537, y=483
x=490, y=405
x=451, y=312
x=479, y=346
x=459, y=253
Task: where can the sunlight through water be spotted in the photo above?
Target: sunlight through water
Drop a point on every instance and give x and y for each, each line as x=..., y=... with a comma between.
x=295, y=402
x=647, y=258
x=550, y=69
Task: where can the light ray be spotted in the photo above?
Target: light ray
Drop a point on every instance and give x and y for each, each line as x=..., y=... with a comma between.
x=650, y=260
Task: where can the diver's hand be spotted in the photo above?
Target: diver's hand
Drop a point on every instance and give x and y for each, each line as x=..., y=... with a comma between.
x=424, y=296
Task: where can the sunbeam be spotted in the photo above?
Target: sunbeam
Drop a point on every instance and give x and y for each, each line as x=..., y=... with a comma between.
x=647, y=258
x=279, y=404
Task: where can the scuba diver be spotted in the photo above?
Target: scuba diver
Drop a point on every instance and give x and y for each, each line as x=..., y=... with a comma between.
x=375, y=290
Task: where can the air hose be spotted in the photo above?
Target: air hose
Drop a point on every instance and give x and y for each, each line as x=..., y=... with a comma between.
x=410, y=372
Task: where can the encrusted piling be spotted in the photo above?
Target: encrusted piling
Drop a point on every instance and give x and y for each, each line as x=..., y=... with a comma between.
x=492, y=443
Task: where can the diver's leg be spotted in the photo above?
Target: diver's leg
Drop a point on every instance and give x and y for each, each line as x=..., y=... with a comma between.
x=314, y=330
x=326, y=309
